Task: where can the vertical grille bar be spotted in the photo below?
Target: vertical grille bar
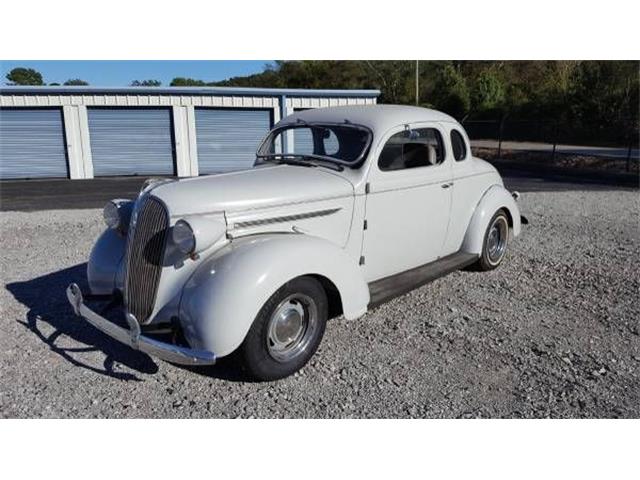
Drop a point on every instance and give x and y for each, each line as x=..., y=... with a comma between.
x=145, y=252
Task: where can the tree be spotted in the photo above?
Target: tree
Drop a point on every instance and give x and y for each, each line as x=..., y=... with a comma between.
x=604, y=99
x=146, y=83
x=451, y=93
x=187, y=82
x=488, y=91
x=393, y=79
x=75, y=82
x=24, y=76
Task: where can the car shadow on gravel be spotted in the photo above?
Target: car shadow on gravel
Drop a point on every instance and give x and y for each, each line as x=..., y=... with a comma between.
x=225, y=368
x=46, y=299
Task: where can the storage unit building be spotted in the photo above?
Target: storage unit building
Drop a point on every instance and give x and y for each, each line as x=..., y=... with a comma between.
x=83, y=132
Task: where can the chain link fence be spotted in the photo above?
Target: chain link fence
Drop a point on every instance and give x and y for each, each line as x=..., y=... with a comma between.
x=555, y=142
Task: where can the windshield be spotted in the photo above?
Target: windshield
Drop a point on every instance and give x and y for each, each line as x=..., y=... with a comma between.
x=342, y=144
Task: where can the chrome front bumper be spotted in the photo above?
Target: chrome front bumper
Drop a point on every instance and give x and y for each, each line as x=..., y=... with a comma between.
x=134, y=338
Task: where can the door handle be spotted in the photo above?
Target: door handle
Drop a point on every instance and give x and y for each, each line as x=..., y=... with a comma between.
x=447, y=185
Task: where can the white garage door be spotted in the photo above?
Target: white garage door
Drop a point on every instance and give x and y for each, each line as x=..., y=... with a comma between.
x=32, y=143
x=131, y=141
x=228, y=139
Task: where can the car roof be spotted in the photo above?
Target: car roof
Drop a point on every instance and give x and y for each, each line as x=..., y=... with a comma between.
x=378, y=118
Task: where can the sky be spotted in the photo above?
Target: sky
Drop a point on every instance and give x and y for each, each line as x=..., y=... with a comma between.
x=120, y=73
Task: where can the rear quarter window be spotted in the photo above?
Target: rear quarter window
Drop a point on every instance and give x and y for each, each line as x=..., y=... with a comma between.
x=458, y=145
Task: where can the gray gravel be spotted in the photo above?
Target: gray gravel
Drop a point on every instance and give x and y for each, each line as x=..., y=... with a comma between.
x=554, y=332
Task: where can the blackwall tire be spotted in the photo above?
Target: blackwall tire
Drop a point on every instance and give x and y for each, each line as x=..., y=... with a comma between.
x=286, y=332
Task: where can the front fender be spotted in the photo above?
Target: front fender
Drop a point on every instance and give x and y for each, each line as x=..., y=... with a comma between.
x=495, y=198
x=224, y=295
x=105, y=262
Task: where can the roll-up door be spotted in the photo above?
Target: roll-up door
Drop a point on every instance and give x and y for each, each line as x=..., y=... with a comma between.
x=32, y=143
x=228, y=139
x=131, y=141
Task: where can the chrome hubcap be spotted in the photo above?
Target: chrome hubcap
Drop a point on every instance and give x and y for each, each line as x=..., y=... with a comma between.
x=497, y=240
x=291, y=327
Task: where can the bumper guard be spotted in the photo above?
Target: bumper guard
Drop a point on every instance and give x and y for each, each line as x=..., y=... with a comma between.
x=134, y=338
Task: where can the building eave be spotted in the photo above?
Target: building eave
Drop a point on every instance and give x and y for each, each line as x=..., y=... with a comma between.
x=224, y=91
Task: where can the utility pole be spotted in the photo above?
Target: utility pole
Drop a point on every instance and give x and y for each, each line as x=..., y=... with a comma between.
x=417, y=82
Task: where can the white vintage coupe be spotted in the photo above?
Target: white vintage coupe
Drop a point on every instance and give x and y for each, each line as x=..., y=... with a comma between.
x=346, y=207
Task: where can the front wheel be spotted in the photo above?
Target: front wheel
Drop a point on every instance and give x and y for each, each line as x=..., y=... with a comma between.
x=496, y=239
x=286, y=332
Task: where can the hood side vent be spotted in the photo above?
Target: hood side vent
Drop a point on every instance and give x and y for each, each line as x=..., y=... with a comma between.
x=285, y=218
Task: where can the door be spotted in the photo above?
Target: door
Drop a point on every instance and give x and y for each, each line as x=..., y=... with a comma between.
x=468, y=188
x=228, y=138
x=407, y=207
x=32, y=143
x=131, y=141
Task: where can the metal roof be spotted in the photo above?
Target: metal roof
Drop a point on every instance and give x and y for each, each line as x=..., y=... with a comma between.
x=241, y=91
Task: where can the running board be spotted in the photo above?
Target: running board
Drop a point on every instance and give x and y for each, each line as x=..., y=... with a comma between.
x=388, y=288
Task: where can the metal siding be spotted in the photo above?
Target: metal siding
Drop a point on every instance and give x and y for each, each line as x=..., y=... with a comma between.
x=213, y=100
x=131, y=141
x=32, y=143
x=228, y=139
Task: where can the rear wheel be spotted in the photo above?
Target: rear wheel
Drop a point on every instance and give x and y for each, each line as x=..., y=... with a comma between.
x=496, y=239
x=286, y=332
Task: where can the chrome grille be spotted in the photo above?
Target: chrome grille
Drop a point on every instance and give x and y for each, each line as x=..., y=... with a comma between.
x=145, y=252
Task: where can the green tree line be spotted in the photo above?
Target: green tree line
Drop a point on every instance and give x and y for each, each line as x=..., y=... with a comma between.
x=29, y=76
x=588, y=99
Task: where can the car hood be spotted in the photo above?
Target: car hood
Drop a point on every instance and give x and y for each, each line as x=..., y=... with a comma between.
x=260, y=187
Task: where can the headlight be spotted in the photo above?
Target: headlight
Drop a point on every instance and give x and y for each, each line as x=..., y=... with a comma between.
x=197, y=234
x=117, y=214
x=111, y=215
x=183, y=237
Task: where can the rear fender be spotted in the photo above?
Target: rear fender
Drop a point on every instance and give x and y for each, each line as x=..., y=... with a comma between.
x=222, y=298
x=495, y=198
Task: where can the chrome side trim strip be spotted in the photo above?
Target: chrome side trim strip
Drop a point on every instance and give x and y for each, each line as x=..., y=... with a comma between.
x=285, y=218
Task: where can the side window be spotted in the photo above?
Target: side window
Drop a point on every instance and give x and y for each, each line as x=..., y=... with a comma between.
x=458, y=145
x=422, y=147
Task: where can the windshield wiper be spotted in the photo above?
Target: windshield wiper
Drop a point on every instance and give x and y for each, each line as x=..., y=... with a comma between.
x=280, y=158
x=308, y=160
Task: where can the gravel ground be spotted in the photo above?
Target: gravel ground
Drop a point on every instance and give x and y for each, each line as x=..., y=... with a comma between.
x=554, y=332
